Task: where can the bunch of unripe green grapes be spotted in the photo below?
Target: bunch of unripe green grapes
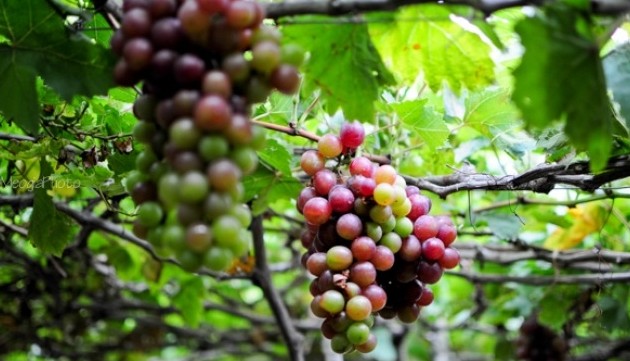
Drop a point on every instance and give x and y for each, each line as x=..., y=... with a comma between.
x=372, y=245
x=202, y=64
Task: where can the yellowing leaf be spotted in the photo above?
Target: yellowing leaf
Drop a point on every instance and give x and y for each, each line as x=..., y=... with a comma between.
x=587, y=219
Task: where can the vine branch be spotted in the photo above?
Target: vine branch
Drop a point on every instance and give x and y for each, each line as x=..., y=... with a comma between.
x=541, y=179
x=487, y=7
x=262, y=277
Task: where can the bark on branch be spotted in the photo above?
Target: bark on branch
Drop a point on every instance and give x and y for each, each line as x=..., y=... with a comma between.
x=347, y=7
x=541, y=179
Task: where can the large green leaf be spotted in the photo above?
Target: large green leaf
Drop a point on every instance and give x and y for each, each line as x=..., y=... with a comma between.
x=39, y=44
x=561, y=77
x=446, y=52
x=344, y=64
x=424, y=121
x=617, y=69
x=49, y=229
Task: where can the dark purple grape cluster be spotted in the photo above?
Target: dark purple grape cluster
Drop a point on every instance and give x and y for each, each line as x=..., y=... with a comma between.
x=540, y=343
x=202, y=64
x=372, y=245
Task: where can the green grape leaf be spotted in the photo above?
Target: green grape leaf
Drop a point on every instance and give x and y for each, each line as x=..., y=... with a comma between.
x=491, y=112
x=343, y=64
x=266, y=186
x=189, y=300
x=555, y=306
x=561, y=77
x=434, y=44
x=617, y=70
x=276, y=156
x=424, y=121
x=39, y=44
x=50, y=230
x=503, y=225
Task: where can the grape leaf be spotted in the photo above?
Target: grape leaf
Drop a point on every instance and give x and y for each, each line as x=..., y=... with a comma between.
x=39, y=44
x=424, y=121
x=189, y=300
x=50, y=229
x=276, y=156
x=617, y=70
x=490, y=112
x=435, y=44
x=266, y=186
x=561, y=77
x=344, y=64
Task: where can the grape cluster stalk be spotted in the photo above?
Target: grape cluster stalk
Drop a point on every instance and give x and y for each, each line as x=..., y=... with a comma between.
x=371, y=243
x=202, y=64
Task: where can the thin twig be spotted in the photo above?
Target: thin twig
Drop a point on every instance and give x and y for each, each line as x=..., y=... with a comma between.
x=538, y=280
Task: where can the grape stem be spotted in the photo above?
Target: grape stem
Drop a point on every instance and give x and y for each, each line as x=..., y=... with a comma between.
x=294, y=131
x=262, y=277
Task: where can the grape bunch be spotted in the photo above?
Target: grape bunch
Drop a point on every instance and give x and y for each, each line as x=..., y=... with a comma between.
x=371, y=243
x=202, y=65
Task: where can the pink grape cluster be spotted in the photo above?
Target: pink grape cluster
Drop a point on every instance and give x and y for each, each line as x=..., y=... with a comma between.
x=202, y=64
x=372, y=245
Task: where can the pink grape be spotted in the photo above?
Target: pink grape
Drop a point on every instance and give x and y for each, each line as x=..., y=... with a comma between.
x=317, y=210
x=352, y=134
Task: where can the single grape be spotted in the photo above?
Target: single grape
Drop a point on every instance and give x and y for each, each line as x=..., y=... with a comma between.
x=429, y=273
x=323, y=181
x=363, y=274
x=383, y=258
x=361, y=166
x=265, y=56
x=341, y=199
x=384, y=194
x=312, y=162
x=358, y=308
x=349, y=226
x=450, y=259
x=376, y=295
x=223, y=175
x=363, y=248
x=286, y=79
x=329, y=146
x=198, y=238
x=352, y=134
x=425, y=227
x=316, y=263
x=213, y=113
x=184, y=134
x=433, y=249
x=150, y=214
x=332, y=301
x=218, y=259
x=317, y=210
x=358, y=333
x=385, y=174
x=193, y=187
x=339, y=258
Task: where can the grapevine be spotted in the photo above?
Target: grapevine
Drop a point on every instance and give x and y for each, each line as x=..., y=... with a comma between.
x=371, y=243
x=202, y=64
